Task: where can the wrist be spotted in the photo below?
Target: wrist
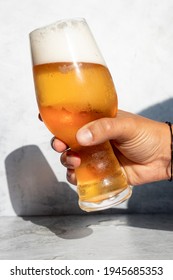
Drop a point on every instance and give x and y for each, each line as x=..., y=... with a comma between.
x=163, y=159
x=170, y=166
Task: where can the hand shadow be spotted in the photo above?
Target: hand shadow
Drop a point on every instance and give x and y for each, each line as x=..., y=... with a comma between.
x=35, y=191
x=33, y=186
x=65, y=226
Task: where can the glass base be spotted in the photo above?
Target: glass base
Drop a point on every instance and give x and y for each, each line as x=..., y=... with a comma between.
x=107, y=203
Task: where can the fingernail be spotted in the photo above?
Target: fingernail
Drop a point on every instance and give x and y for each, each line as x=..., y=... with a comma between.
x=84, y=136
x=39, y=116
x=51, y=143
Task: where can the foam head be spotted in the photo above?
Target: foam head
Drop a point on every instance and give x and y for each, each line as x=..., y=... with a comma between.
x=64, y=41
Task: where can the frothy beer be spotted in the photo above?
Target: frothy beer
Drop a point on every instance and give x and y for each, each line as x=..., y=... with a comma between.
x=73, y=87
x=65, y=41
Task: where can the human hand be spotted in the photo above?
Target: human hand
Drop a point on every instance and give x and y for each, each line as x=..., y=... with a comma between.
x=141, y=145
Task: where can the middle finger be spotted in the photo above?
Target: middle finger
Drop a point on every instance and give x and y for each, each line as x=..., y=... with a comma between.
x=70, y=159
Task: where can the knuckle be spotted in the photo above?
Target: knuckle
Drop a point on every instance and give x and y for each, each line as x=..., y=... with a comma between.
x=102, y=129
x=106, y=125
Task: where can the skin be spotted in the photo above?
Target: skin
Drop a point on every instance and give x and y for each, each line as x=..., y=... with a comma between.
x=141, y=145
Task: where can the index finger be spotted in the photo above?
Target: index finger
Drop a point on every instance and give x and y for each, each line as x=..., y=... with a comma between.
x=58, y=145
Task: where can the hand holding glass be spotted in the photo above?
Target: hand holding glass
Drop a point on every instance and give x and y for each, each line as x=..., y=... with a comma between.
x=73, y=87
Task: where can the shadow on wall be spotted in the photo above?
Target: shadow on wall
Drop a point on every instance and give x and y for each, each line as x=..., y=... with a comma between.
x=33, y=186
x=35, y=190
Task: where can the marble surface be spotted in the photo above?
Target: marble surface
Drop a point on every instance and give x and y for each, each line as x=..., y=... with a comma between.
x=87, y=237
x=137, y=46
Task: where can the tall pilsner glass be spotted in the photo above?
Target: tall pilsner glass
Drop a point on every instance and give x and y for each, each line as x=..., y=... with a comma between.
x=73, y=87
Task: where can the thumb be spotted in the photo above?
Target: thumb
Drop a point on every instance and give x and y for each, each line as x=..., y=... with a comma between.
x=101, y=130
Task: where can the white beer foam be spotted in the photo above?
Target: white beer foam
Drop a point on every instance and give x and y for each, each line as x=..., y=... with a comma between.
x=64, y=41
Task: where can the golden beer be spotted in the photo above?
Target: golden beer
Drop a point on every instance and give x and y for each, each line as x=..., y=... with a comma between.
x=69, y=95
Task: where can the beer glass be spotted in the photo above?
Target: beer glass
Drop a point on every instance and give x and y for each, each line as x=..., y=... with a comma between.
x=73, y=87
